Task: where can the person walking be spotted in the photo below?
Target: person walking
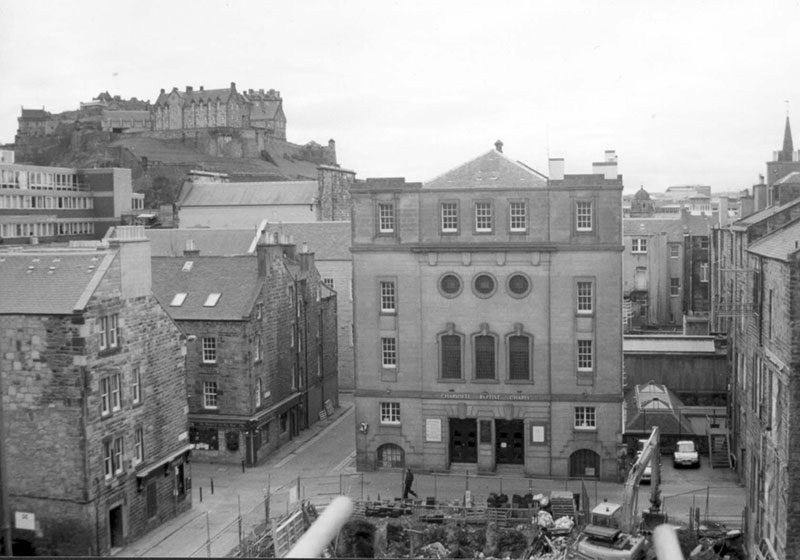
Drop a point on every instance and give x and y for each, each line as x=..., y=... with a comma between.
x=407, y=487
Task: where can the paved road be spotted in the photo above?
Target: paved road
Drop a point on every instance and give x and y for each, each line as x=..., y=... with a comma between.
x=324, y=459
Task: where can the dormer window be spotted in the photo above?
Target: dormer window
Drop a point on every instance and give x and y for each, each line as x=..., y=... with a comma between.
x=212, y=300
x=178, y=300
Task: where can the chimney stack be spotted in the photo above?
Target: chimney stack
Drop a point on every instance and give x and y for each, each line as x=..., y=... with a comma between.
x=723, y=211
x=556, y=169
x=188, y=89
x=233, y=86
x=607, y=168
x=499, y=146
x=134, y=255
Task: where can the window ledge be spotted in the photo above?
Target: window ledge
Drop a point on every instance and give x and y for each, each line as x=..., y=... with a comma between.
x=109, y=352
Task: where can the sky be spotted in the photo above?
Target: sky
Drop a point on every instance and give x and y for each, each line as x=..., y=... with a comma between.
x=685, y=92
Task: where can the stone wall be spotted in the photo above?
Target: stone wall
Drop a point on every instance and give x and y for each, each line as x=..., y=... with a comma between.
x=52, y=394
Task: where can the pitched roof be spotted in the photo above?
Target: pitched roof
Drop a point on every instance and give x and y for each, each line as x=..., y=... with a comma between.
x=675, y=227
x=210, y=242
x=642, y=226
x=651, y=405
x=264, y=110
x=273, y=193
x=35, y=114
x=329, y=241
x=756, y=217
x=50, y=282
x=197, y=95
x=793, y=177
x=490, y=170
x=234, y=278
x=779, y=244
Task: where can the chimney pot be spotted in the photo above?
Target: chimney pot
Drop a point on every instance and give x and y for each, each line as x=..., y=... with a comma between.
x=499, y=146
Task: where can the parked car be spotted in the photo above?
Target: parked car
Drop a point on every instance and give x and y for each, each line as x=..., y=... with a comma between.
x=686, y=454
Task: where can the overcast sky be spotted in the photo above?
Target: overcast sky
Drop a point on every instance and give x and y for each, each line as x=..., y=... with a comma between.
x=685, y=92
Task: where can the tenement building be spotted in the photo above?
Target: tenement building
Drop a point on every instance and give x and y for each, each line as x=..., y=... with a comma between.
x=262, y=345
x=488, y=319
x=94, y=397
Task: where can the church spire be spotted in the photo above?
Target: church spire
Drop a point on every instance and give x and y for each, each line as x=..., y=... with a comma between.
x=788, y=147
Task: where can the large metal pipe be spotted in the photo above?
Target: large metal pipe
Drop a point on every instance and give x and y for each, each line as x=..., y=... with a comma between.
x=324, y=529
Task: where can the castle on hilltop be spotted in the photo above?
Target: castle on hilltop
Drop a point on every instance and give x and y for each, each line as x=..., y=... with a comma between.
x=192, y=109
x=176, y=111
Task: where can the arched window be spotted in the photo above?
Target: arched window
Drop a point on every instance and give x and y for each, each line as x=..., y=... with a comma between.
x=390, y=456
x=519, y=357
x=485, y=356
x=450, y=356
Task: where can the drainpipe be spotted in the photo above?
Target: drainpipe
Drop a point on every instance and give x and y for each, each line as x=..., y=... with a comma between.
x=305, y=359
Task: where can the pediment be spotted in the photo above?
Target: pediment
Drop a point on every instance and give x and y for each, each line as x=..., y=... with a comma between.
x=490, y=170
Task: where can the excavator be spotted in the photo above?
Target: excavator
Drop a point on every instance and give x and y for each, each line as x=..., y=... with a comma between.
x=615, y=531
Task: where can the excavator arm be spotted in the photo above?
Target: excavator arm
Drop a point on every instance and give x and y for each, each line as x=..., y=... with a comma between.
x=631, y=492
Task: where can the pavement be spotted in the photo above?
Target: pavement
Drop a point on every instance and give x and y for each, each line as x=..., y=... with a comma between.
x=234, y=492
x=210, y=528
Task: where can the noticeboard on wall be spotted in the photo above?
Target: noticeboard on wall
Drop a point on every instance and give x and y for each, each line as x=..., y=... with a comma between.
x=433, y=429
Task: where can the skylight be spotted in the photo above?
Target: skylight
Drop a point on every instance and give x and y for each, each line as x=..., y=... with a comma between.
x=177, y=301
x=187, y=266
x=212, y=300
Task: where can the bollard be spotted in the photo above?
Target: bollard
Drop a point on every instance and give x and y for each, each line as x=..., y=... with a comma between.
x=242, y=465
x=201, y=494
x=212, y=486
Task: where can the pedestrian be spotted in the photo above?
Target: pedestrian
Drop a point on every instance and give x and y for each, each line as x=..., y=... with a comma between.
x=407, y=487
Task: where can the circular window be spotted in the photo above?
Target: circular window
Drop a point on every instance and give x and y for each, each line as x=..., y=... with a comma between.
x=450, y=285
x=519, y=285
x=484, y=285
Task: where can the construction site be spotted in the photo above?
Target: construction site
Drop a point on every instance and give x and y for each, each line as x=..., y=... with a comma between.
x=466, y=515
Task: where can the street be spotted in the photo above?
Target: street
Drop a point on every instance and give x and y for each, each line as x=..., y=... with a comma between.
x=322, y=459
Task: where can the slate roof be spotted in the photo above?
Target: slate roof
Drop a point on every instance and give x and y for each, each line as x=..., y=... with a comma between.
x=779, y=244
x=35, y=114
x=265, y=110
x=490, y=170
x=756, y=217
x=675, y=228
x=793, y=177
x=641, y=226
x=197, y=95
x=274, y=193
x=329, y=241
x=210, y=242
x=235, y=278
x=50, y=283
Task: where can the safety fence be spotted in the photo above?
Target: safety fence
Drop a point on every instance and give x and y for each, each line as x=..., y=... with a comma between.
x=466, y=497
x=462, y=497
